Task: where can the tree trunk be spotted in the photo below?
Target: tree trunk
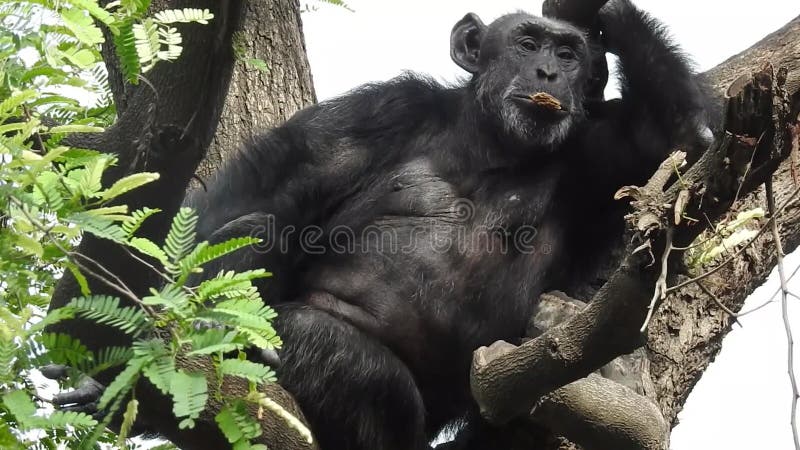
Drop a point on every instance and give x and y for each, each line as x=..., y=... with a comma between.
x=259, y=99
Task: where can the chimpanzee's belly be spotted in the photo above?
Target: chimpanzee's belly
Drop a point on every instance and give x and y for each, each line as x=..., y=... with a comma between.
x=442, y=266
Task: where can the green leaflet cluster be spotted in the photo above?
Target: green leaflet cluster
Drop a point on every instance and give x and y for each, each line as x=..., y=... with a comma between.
x=228, y=303
x=52, y=195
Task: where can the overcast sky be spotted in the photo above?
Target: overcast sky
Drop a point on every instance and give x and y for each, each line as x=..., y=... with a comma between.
x=743, y=401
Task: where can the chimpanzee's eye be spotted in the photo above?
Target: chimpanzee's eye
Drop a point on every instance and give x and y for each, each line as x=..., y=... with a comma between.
x=528, y=43
x=566, y=53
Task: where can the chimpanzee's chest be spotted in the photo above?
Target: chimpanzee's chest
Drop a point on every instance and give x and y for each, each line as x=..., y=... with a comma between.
x=436, y=241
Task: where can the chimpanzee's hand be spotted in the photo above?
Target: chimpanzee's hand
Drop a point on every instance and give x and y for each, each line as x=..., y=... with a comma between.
x=615, y=18
x=83, y=399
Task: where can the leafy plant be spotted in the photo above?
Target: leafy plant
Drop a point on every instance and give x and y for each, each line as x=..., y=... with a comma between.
x=53, y=83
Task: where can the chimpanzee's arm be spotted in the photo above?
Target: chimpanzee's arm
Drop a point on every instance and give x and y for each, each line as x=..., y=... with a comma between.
x=663, y=105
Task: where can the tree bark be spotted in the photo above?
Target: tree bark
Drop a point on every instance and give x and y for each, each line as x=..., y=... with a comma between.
x=686, y=333
x=257, y=100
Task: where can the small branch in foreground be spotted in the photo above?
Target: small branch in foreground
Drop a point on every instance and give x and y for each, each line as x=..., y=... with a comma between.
x=660, y=291
x=784, y=309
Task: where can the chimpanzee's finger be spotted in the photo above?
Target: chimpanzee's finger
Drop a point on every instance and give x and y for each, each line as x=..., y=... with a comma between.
x=54, y=371
x=270, y=357
x=88, y=391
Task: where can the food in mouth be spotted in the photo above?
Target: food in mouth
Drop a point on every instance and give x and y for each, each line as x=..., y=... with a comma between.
x=546, y=100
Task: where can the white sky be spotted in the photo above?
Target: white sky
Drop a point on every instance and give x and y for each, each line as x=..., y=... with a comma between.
x=743, y=401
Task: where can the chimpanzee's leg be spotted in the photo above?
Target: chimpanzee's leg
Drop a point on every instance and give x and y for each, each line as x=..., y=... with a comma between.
x=356, y=394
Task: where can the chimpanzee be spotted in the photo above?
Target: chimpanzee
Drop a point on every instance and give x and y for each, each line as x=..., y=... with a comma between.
x=408, y=223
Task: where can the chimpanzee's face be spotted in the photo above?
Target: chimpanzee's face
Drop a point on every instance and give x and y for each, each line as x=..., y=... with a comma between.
x=529, y=73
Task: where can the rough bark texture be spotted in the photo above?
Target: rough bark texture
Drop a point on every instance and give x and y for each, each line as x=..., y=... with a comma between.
x=259, y=99
x=687, y=332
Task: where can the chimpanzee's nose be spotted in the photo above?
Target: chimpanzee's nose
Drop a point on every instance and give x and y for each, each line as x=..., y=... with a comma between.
x=546, y=72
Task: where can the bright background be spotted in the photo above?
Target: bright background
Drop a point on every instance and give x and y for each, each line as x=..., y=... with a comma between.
x=743, y=401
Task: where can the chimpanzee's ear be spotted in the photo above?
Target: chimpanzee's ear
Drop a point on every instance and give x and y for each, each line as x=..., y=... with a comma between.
x=465, y=42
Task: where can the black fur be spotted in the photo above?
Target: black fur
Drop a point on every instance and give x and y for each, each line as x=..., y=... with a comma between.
x=378, y=339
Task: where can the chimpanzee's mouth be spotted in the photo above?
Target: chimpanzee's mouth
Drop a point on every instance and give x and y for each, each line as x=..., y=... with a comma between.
x=540, y=103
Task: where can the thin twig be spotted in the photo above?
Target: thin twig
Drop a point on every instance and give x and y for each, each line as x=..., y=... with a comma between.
x=784, y=310
x=120, y=287
x=719, y=303
x=152, y=267
x=660, y=291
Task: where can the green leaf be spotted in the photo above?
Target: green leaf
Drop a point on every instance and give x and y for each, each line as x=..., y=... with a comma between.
x=147, y=44
x=123, y=383
x=189, y=393
x=171, y=297
x=109, y=357
x=138, y=217
x=82, y=26
x=82, y=58
x=160, y=373
x=214, y=340
x=79, y=277
x=128, y=183
x=149, y=248
x=66, y=420
x=15, y=101
x=98, y=226
x=63, y=349
x=125, y=45
x=135, y=7
x=181, y=236
x=128, y=418
x=204, y=253
x=229, y=284
x=75, y=128
x=20, y=404
x=237, y=424
x=28, y=244
x=251, y=371
x=258, y=64
x=105, y=310
x=92, y=7
x=184, y=15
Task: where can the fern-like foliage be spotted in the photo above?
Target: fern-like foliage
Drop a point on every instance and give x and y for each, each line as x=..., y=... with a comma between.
x=230, y=284
x=185, y=15
x=237, y=424
x=99, y=226
x=123, y=383
x=189, y=393
x=204, y=253
x=215, y=341
x=137, y=218
x=128, y=418
x=251, y=371
x=107, y=311
x=172, y=297
x=63, y=349
x=181, y=237
x=125, y=47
